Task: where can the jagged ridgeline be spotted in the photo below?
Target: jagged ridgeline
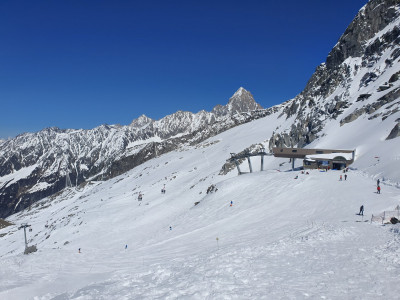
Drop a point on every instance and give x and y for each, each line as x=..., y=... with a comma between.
x=360, y=78
x=37, y=165
x=343, y=87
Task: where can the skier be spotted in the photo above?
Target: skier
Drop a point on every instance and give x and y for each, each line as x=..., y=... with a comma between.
x=340, y=178
x=377, y=182
x=345, y=176
x=361, y=213
x=170, y=227
x=79, y=250
x=140, y=197
x=378, y=189
x=126, y=247
x=231, y=203
x=296, y=177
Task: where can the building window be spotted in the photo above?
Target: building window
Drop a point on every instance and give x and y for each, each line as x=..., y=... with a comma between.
x=340, y=158
x=319, y=152
x=294, y=150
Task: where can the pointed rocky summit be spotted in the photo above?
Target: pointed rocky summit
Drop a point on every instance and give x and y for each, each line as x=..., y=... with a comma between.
x=241, y=101
x=142, y=121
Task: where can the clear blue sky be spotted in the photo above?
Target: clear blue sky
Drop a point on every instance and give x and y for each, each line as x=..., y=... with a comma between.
x=82, y=63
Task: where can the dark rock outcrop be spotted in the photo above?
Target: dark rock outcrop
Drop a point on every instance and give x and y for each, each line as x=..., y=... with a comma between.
x=395, y=132
x=316, y=103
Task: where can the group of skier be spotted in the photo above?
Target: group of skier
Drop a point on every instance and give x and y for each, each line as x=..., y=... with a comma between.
x=345, y=175
x=378, y=188
x=213, y=188
x=140, y=196
x=378, y=191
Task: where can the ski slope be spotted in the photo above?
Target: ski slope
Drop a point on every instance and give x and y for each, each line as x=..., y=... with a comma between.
x=283, y=238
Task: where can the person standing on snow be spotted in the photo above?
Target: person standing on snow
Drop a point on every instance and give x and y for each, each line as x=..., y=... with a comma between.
x=345, y=176
x=361, y=213
x=340, y=179
x=378, y=189
x=377, y=182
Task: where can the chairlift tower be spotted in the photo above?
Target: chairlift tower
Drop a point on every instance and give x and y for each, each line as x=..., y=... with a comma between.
x=24, y=226
x=68, y=180
x=234, y=158
x=262, y=153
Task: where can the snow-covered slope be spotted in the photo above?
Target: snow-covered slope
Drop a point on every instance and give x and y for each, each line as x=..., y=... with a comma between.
x=360, y=79
x=282, y=237
x=52, y=154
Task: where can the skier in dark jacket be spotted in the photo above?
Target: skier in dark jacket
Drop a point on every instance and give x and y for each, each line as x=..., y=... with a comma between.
x=361, y=213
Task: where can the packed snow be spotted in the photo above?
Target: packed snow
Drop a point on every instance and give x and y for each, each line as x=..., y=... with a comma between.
x=264, y=235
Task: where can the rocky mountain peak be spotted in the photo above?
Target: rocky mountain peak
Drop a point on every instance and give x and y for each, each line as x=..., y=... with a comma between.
x=360, y=78
x=239, y=92
x=241, y=101
x=142, y=121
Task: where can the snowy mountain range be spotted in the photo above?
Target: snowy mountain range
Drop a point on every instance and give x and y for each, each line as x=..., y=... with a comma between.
x=360, y=79
x=214, y=234
x=36, y=165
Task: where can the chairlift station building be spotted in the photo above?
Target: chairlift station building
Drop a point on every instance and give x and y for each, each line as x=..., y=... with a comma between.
x=318, y=158
x=312, y=158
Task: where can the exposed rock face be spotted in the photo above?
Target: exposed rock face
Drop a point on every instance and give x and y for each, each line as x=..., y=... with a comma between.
x=395, y=132
x=36, y=165
x=372, y=18
x=241, y=101
x=368, y=50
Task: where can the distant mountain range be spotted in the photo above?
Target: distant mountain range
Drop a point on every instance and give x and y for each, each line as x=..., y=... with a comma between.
x=36, y=165
x=360, y=79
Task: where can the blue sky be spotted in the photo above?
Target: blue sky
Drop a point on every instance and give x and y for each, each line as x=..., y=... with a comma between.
x=79, y=64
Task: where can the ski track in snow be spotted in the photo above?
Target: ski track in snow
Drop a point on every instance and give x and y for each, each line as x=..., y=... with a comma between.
x=288, y=241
